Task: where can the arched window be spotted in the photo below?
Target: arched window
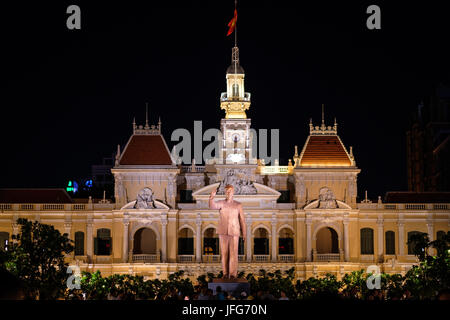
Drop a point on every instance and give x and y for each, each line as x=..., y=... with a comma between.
x=185, y=241
x=390, y=242
x=327, y=241
x=412, y=244
x=210, y=242
x=366, y=241
x=4, y=241
x=79, y=243
x=261, y=242
x=286, y=241
x=102, y=243
x=144, y=241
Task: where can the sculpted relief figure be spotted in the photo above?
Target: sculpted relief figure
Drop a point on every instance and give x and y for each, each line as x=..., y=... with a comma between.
x=327, y=200
x=144, y=199
x=231, y=224
x=241, y=185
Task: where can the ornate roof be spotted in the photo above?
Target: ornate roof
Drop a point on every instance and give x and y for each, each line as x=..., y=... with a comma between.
x=145, y=147
x=324, y=148
x=146, y=150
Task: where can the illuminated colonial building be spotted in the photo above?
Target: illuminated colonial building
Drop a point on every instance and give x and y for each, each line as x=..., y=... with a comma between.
x=303, y=215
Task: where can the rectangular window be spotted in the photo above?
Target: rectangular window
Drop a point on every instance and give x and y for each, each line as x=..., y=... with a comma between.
x=79, y=243
x=186, y=246
x=366, y=241
x=285, y=196
x=285, y=246
x=390, y=242
x=210, y=246
x=186, y=196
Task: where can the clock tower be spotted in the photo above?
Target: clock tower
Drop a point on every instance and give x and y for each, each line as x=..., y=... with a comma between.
x=236, y=144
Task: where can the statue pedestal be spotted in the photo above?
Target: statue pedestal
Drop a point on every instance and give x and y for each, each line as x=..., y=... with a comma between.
x=234, y=287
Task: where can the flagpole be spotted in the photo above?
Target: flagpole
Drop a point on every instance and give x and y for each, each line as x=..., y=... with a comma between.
x=235, y=46
x=235, y=28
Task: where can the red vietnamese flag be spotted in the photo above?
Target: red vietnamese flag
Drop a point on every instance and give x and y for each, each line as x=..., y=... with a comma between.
x=232, y=23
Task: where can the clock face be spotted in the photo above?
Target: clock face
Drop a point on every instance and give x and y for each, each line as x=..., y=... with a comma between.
x=236, y=157
x=235, y=137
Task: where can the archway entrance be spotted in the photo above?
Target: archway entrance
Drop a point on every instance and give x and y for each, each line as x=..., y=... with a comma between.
x=144, y=241
x=327, y=241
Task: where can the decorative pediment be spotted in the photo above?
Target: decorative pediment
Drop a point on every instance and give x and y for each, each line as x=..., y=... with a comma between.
x=315, y=204
x=158, y=205
x=263, y=197
x=326, y=200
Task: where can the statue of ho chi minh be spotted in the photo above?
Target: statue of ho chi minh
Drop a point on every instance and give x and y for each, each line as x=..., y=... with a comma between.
x=231, y=223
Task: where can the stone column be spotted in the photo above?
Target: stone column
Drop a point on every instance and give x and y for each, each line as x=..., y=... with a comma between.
x=198, y=239
x=346, y=242
x=164, y=240
x=401, y=238
x=67, y=229
x=308, y=239
x=90, y=240
x=126, y=224
x=380, y=241
x=274, y=238
x=15, y=228
x=249, y=239
x=430, y=230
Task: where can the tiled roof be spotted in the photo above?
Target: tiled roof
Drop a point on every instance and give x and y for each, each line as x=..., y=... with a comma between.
x=417, y=197
x=146, y=150
x=326, y=150
x=34, y=196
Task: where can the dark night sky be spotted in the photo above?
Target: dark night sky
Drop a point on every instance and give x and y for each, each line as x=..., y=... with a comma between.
x=69, y=97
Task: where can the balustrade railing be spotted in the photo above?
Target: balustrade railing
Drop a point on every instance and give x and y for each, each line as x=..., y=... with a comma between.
x=261, y=257
x=186, y=258
x=211, y=258
x=286, y=258
x=146, y=258
x=327, y=257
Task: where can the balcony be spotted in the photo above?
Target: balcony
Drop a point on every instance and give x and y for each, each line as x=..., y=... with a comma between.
x=211, y=258
x=367, y=258
x=241, y=258
x=261, y=258
x=183, y=258
x=224, y=97
x=146, y=258
x=285, y=258
x=327, y=257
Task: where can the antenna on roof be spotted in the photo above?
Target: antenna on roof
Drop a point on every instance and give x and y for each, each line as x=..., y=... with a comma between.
x=323, y=117
x=146, y=115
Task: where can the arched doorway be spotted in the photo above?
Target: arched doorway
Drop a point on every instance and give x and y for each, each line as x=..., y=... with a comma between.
x=185, y=242
x=144, y=241
x=286, y=241
x=327, y=241
x=261, y=242
x=210, y=242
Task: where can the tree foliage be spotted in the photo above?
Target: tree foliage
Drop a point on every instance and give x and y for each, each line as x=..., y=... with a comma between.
x=37, y=257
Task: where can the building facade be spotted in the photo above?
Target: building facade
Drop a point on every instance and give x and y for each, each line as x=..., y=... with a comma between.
x=303, y=215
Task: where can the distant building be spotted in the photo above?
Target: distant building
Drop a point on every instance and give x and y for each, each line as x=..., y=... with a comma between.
x=102, y=178
x=428, y=144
